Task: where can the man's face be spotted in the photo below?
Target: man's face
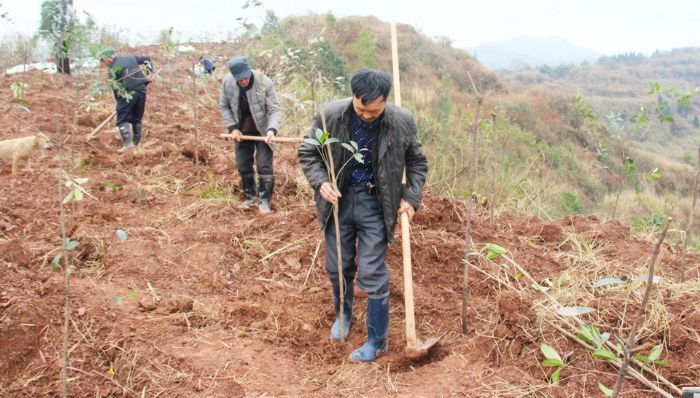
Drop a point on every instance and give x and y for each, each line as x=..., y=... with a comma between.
x=369, y=111
x=107, y=61
x=244, y=82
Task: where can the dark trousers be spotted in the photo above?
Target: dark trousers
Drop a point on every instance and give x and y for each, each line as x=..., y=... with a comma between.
x=246, y=151
x=363, y=242
x=131, y=111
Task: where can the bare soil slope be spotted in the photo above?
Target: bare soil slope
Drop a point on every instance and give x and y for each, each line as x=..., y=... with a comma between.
x=205, y=300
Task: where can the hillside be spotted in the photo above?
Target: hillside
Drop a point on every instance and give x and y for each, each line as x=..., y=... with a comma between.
x=200, y=299
x=621, y=85
x=545, y=151
x=529, y=52
x=205, y=300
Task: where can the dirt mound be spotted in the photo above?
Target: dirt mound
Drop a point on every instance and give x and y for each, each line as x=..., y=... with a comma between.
x=197, y=298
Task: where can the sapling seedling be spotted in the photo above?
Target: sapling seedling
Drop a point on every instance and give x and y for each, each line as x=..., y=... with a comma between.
x=18, y=93
x=322, y=143
x=324, y=140
x=552, y=359
x=652, y=357
x=493, y=251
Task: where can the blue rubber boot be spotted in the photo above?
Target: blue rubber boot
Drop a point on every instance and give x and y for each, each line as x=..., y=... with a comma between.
x=347, y=312
x=377, y=331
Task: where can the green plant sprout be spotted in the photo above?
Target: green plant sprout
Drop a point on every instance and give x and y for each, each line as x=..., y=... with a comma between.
x=653, y=356
x=117, y=86
x=68, y=245
x=75, y=190
x=18, y=93
x=552, y=359
x=493, y=251
x=324, y=140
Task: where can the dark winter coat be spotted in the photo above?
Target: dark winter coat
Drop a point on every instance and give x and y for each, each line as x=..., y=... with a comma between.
x=125, y=70
x=395, y=147
x=207, y=65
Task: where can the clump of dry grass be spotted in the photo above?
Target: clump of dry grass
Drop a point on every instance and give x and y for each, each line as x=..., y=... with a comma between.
x=614, y=304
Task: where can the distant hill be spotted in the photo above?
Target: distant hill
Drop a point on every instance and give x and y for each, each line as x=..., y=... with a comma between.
x=620, y=85
x=529, y=51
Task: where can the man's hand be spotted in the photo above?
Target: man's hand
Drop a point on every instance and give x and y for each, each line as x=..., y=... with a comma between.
x=328, y=193
x=407, y=208
x=235, y=135
x=269, y=137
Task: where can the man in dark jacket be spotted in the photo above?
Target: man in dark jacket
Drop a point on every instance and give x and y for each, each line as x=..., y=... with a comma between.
x=371, y=197
x=128, y=82
x=207, y=64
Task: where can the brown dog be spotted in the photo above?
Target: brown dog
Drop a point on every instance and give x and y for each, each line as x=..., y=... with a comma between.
x=19, y=149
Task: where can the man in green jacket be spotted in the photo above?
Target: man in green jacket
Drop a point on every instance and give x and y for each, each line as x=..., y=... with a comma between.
x=371, y=197
x=249, y=107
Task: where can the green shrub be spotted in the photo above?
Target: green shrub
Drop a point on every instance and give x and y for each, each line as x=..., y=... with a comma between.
x=570, y=204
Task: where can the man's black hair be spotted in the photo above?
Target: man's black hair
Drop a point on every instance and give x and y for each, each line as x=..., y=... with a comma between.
x=370, y=84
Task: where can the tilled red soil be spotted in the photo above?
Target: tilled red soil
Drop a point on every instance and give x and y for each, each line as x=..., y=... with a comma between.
x=205, y=300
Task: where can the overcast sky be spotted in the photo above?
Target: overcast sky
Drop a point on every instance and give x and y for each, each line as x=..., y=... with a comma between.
x=607, y=26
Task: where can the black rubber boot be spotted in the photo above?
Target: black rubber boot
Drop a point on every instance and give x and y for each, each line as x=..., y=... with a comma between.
x=137, y=132
x=125, y=132
x=250, y=190
x=267, y=185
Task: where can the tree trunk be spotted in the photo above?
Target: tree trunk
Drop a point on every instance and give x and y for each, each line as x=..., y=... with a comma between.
x=63, y=65
x=62, y=60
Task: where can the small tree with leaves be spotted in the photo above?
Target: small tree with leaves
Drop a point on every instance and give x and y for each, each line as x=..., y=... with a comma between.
x=58, y=20
x=322, y=142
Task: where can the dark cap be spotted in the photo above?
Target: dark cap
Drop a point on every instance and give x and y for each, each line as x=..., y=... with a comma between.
x=239, y=67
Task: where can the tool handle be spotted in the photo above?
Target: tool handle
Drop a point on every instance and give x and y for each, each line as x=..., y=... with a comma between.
x=295, y=140
x=408, y=282
x=97, y=129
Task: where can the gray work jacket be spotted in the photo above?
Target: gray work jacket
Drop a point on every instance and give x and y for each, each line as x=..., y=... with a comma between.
x=264, y=105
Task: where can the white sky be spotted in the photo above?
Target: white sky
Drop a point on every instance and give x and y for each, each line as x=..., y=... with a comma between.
x=607, y=26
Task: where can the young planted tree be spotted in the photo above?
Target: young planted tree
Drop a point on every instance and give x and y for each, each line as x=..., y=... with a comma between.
x=75, y=193
x=691, y=215
x=323, y=142
x=468, y=243
x=631, y=346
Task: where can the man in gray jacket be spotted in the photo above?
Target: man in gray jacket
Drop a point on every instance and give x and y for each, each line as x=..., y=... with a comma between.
x=249, y=107
x=371, y=197
x=128, y=82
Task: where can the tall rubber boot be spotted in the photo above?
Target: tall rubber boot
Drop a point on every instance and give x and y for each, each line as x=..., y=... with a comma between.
x=137, y=132
x=267, y=185
x=125, y=132
x=377, y=331
x=347, y=310
x=250, y=190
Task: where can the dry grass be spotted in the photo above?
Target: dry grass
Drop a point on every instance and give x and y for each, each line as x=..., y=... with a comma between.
x=587, y=266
